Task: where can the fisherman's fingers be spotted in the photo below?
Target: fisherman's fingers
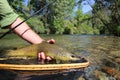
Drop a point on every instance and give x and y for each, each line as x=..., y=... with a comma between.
x=42, y=57
x=48, y=58
x=51, y=41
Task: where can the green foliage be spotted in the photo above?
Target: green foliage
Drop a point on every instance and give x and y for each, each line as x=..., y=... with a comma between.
x=79, y=16
x=60, y=11
x=69, y=27
x=83, y=27
x=118, y=30
x=58, y=26
x=57, y=18
x=96, y=31
x=36, y=24
x=108, y=13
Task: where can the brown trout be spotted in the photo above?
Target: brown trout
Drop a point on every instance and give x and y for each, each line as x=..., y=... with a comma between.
x=54, y=51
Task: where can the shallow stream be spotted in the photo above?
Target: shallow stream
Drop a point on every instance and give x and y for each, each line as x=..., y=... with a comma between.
x=103, y=52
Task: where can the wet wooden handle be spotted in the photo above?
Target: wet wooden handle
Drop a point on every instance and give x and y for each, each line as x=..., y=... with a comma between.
x=44, y=66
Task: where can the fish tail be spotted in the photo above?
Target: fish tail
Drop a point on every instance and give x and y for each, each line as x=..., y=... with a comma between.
x=10, y=53
x=4, y=54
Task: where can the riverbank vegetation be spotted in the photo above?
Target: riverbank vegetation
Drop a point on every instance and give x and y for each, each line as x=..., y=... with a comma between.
x=62, y=18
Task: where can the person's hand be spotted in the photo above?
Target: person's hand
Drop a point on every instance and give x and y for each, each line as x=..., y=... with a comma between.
x=41, y=55
x=51, y=41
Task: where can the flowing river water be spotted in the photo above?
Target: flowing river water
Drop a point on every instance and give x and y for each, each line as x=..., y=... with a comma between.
x=102, y=51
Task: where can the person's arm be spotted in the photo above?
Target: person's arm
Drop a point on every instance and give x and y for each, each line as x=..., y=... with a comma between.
x=11, y=19
x=26, y=32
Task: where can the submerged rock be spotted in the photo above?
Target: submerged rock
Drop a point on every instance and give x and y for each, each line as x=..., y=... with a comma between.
x=112, y=71
x=115, y=53
x=100, y=75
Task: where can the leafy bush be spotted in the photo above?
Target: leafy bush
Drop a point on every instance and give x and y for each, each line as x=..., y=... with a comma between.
x=36, y=24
